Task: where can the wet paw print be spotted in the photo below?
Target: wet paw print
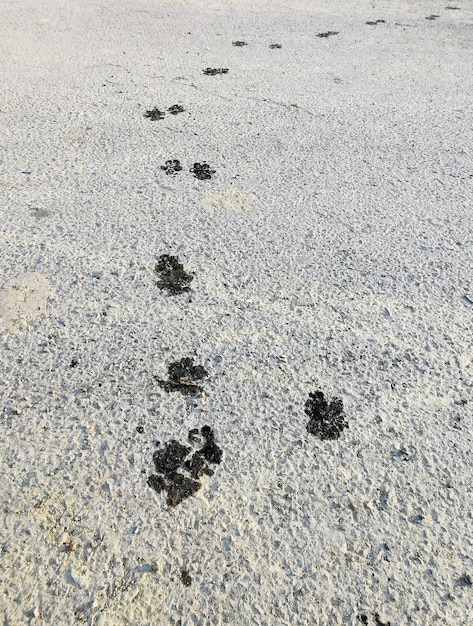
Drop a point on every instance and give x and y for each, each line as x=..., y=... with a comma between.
x=213, y=71
x=155, y=114
x=329, y=33
x=202, y=171
x=327, y=419
x=376, y=22
x=275, y=46
x=183, y=376
x=177, y=472
x=175, y=109
x=172, y=167
x=172, y=275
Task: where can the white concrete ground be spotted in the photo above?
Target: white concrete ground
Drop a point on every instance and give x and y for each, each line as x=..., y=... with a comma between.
x=330, y=251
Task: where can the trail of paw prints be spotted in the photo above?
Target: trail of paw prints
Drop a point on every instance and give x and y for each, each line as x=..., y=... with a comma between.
x=327, y=419
x=172, y=275
x=155, y=114
x=177, y=472
x=201, y=171
x=183, y=376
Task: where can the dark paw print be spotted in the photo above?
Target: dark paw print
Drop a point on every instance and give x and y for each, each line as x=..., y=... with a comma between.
x=329, y=33
x=376, y=22
x=239, y=44
x=172, y=275
x=154, y=115
x=327, y=420
x=213, y=71
x=275, y=46
x=174, y=456
x=183, y=375
x=202, y=171
x=172, y=167
x=175, y=109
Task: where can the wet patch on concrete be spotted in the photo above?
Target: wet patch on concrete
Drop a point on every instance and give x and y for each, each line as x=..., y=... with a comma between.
x=432, y=17
x=178, y=471
x=183, y=376
x=186, y=578
x=172, y=275
x=275, y=46
x=329, y=33
x=213, y=71
x=202, y=171
x=239, y=44
x=327, y=419
x=376, y=22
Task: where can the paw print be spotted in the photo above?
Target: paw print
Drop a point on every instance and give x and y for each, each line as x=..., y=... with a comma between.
x=329, y=33
x=172, y=167
x=154, y=115
x=183, y=377
x=202, y=171
x=327, y=419
x=172, y=275
x=175, y=109
x=213, y=71
x=177, y=472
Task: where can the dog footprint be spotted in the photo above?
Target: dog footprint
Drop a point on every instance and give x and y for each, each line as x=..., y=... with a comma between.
x=329, y=33
x=202, y=171
x=172, y=275
x=327, y=419
x=213, y=71
x=172, y=167
x=183, y=376
x=177, y=472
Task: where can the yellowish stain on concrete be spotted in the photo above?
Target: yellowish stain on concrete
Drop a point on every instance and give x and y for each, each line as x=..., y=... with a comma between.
x=22, y=299
x=238, y=200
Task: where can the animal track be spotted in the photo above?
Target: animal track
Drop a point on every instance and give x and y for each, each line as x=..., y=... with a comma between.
x=213, y=71
x=175, y=109
x=183, y=375
x=154, y=115
x=327, y=420
x=376, y=22
x=172, y=275
x=239, y=44
x=172, y=167
x=329, y=33
x=202, y=171
x=173, y=457
x=275, y=46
